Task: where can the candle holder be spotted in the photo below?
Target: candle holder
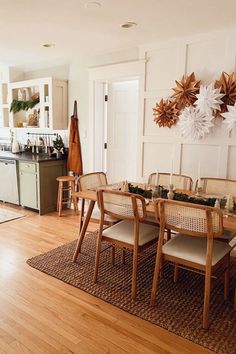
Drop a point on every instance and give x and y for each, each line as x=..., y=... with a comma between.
x=217, y=203
x=155, y=193
x=199, y=191
x=170, y=194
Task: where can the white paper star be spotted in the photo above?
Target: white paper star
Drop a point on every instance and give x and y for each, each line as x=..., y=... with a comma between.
x=230, y=117
x=194, y=124
x=208, y=99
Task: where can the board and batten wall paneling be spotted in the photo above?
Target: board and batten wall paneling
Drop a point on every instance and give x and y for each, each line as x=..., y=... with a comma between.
x=207, y=55
x=231, y=173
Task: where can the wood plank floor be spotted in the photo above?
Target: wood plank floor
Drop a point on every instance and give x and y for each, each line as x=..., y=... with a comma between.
x=40, y=314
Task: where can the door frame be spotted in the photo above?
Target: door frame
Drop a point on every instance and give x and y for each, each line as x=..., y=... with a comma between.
x=133, y=70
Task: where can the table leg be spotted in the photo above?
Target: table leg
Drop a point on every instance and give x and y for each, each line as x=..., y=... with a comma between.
x=83, y=230
x=81, y=215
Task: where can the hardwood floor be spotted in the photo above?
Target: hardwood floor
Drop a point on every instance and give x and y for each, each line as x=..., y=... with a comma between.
x=40, y=314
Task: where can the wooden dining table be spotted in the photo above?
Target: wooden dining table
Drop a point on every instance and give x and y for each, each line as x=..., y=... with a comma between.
x=229, y=221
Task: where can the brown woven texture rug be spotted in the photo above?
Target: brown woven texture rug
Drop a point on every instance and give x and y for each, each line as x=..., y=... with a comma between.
x=178, y=306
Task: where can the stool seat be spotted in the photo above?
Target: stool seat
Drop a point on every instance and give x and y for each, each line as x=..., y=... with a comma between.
x=66, y=185
x=65, y=179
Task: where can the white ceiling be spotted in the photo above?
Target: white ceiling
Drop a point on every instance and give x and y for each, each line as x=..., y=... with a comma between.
x=79, y=32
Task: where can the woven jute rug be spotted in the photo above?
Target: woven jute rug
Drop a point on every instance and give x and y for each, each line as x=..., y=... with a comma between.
x=178, y=306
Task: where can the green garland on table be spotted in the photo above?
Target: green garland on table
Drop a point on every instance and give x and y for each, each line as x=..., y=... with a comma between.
x=162, y=193
x=140, y=191
x=17, y=106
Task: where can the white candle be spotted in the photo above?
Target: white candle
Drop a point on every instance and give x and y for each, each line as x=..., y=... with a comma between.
x=171, y=173
x=199, y=174
x=156, y=179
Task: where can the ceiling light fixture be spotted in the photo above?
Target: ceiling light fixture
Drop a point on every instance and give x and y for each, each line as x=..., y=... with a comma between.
x=49, y=45
x=92, y=5
x=128, y=24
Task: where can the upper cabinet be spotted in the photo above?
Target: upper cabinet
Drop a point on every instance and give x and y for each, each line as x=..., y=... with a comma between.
x=6, y=75
x=38, y=103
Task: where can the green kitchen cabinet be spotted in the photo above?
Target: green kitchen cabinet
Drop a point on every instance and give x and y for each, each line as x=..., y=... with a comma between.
x=28, y=189
x=38, y=185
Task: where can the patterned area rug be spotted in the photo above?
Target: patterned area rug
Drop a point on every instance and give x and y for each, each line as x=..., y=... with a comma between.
x=178, y=306
x=8, y=215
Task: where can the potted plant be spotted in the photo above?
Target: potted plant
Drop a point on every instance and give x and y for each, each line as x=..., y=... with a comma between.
x=58, y=146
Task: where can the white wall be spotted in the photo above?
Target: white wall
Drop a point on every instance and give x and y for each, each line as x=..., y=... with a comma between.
x=79, y=90
x=207, y=55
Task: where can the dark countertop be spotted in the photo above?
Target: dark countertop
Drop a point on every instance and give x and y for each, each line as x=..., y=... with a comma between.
x=28, y=157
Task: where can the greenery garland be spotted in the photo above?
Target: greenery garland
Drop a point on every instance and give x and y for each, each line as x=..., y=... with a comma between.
x=162, y=193
x=17, y=106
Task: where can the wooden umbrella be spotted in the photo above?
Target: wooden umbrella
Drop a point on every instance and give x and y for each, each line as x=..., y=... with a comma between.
x=74, y=162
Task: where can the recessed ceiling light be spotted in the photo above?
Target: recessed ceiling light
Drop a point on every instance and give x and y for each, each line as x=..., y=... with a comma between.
x=128, y=24
x=49, y=45
x=92, y=5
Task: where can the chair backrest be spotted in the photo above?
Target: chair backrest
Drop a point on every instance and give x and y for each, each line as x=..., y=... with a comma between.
x=189, y=219
x=179, y=181
x=92, y=180
x=218, y=185
x=121, y=205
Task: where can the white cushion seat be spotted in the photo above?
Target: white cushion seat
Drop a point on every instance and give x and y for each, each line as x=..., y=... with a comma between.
x=124, y=231
x=193, y=249
x=96, y=214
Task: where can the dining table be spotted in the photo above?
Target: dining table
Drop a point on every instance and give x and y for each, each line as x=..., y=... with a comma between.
x=229, y=220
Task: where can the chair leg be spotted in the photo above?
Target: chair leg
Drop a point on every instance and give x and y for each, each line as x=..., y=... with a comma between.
x=83, y=230
x=207, y=293
x=235, y=298
x=134, y=275
x=113, y=254
x=176, y=273
x=81, y=215
x=226, y=278
x=75, y=201
x=98, y=251
x=168, y=232
x=123, y=256
x=60, y=196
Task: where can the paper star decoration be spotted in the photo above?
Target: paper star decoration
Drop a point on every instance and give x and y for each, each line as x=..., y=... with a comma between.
x=209, y=99
x=194, y=124
x=227, y=85
x=166, y=113
x=230, y=117
x=186, y=90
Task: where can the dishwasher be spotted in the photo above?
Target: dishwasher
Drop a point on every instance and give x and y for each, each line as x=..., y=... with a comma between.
x=8, y=181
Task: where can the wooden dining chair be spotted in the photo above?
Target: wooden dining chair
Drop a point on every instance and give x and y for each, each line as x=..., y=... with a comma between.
x=179, y=181
x=92, y=181
x=194, y=247
x=130, y=233
x=222, y=186
x=217, y=186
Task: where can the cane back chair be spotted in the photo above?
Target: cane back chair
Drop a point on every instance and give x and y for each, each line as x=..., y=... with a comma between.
x=92, y=181
x=130, y=233
x=218, y=185
x=179, y=181
x=194, y=247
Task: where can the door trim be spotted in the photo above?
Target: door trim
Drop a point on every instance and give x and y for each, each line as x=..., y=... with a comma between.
x=109, y=73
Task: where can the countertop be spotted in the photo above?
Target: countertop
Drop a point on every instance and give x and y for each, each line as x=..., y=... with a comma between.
x=28, y=157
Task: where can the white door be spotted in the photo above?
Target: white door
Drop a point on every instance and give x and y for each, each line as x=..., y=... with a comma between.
x=122, y=131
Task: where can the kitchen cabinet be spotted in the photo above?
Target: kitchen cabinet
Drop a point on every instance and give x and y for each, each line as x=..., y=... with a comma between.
x=30, y=180
x=38, y=185
x=28, y=184
x=52, y=108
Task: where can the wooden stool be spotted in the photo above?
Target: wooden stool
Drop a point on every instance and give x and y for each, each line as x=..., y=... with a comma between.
x=68, y=186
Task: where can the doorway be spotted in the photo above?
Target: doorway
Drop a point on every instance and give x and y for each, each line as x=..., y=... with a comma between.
x=116, y=129
x=124, y=141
